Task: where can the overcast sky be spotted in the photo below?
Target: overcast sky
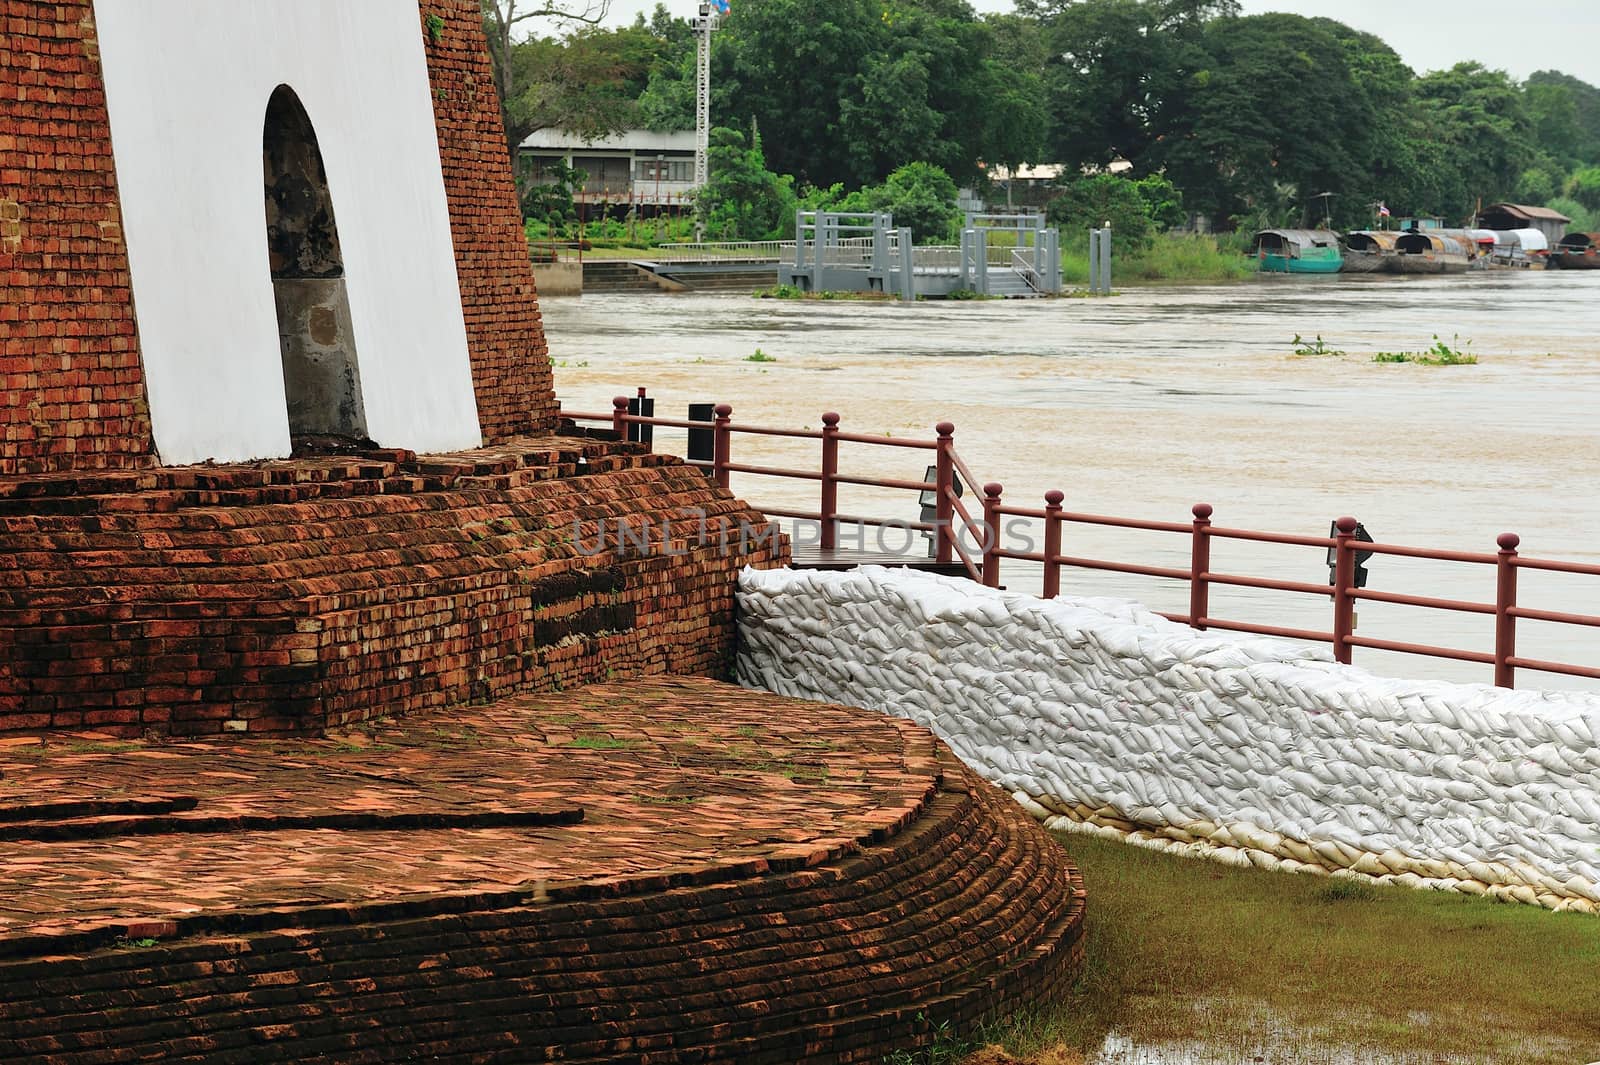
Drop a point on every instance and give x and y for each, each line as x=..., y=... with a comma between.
x=1428, y=34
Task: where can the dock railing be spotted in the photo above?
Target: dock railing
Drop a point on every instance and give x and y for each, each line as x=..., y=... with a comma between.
x=555, y=251
x=977, y=543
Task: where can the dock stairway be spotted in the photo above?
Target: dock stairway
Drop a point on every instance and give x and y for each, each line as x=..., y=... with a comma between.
x=620, y=275
x=1011, y=284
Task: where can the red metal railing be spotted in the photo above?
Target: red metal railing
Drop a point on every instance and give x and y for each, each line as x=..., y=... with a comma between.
x=954, y=523
x=829, y=477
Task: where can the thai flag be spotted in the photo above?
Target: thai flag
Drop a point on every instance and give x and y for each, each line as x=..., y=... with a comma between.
x=721, y=6
x=1383, y=210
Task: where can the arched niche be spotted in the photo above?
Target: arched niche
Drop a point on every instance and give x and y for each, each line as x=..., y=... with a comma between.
x=321, y=373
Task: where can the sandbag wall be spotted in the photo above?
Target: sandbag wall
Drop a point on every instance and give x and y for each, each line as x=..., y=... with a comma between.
x=1099, y=716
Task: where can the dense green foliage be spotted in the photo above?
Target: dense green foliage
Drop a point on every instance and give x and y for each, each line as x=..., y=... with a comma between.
x=744, y=200
x=1253, y=120
x=1136, y=210
x=921, y=196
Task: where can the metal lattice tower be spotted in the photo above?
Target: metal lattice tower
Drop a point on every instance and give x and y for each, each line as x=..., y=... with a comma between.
x=704, y=27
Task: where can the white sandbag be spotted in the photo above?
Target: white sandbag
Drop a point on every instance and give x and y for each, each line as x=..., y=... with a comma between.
x=1244, y=749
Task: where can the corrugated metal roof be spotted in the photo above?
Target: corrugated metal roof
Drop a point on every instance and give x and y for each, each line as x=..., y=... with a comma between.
x=633, y=140
x=1522, y=210
x=1307, y=238
x=1368, y=239
x=1526, y=239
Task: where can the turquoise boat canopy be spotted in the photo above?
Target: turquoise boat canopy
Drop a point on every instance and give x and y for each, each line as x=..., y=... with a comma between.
x=1292, y=243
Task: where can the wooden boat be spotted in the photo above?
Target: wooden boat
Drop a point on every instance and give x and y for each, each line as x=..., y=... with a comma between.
x=1368, y=251
x=1524, y=248
x=1577, y=251
x=1470, y=245
x=1297, y=251
x=1416, y=252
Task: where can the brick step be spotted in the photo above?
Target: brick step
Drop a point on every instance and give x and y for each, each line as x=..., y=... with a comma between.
x=969, y=906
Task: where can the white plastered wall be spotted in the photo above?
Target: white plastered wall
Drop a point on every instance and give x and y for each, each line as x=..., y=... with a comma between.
x=187, y=85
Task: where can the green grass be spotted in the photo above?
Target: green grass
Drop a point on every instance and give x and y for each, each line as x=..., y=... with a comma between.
x=601, y=743
x=1187, y=950
x=795, y=292
x=1168, y=258
x=760, y=356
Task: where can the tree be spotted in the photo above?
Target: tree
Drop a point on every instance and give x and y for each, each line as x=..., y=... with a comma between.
x=1585, y=187
x=586, y=83
x=1137, y=210
x=1537, y=185
x=1553, y=116
x=550, y=200
x=921, y=196
x=1275, y=108
x=849, y=90
x=743, y=199
x=1549, y=116
x=500, y=21
x=1016, y=133
x=1475, y=120
x=668, y=100
x=1120, y=74
x=786, y=65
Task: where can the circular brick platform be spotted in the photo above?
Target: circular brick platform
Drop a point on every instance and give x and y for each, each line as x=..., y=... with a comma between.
x=661, y=870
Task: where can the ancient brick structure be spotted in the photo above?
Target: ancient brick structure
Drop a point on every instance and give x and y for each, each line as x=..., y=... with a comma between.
x=72, y=393
x=752, y=880
x=510, y=363
x=282, y=598
x=71, y=388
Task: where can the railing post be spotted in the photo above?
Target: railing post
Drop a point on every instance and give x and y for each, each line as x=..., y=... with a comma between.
x=1505, y=601
x=619, y=417
x=944, y=530
x=1344, y=579
x=1200, y=567
x=830, y=482
x=1052, y=543
x=644, y=431
x=991, y=534
x=722, y=444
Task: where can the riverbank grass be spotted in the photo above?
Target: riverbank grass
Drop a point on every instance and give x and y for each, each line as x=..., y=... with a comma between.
x=1169, y=258
x=1245, y=962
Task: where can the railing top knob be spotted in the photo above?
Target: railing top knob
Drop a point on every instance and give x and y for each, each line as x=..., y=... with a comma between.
x=1509, y=541
x=1054, y=497
x=945, y=428
x=830, y=419
x=621, y=402
x=723, y=410
x=1203, y=511
x=1346, y=525
x=993, y=489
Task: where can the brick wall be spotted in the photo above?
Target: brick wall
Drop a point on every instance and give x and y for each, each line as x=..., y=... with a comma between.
x=71, y=387
x=280, y=598
x=510, y=361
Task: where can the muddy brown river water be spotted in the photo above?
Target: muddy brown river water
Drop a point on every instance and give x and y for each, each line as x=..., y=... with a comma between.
x=1146, y=403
